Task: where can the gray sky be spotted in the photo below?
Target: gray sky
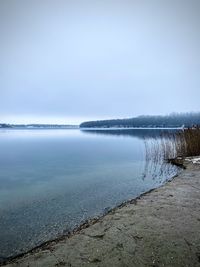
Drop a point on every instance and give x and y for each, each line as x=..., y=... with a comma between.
x=68, y=61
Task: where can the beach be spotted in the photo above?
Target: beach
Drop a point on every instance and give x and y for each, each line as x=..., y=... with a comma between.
x=159, y=228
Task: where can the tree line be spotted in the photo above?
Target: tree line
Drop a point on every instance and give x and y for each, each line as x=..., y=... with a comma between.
x=172, y=120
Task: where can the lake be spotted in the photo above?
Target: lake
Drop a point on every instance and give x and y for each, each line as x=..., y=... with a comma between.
x=53, y=180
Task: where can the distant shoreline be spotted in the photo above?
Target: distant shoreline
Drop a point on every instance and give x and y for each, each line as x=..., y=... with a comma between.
x=37, y=126
x=87, y=128
x=130, y=128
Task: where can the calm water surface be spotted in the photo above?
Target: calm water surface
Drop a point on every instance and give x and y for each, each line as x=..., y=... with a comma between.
x=52, y=180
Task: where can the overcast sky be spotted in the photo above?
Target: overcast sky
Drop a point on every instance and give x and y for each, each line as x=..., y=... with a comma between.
x=67, y=61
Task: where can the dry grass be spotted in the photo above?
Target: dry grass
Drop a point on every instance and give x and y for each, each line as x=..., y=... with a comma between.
x=187, y=142
x=183, y=143
x=191, y=142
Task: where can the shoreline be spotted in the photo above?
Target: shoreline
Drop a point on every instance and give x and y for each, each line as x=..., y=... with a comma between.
x=64, y=241
x=89, y=222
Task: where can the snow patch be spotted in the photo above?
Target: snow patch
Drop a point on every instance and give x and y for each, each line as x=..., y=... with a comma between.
x=194, y=160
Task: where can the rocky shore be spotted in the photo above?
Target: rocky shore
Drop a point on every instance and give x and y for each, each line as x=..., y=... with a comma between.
x=160, y=228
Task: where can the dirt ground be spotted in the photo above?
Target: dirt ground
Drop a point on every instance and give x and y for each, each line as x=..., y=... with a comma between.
x=161, y=228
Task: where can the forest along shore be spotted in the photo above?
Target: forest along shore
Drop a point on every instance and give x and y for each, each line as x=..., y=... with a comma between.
x=161, y=228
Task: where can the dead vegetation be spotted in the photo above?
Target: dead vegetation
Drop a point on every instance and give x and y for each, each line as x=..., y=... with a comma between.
x=172, y=145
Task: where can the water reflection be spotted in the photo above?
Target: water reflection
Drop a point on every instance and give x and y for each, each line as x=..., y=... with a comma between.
x=156, y=149
x=140, y=132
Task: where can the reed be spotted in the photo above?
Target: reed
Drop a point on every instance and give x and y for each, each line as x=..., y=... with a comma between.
x=190, y=145
x=186, y=143
x=181, y=144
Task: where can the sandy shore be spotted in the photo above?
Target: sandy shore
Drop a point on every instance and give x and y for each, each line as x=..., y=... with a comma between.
x=161, y=228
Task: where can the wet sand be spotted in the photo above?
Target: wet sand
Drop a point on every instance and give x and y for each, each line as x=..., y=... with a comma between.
x=160, y=228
